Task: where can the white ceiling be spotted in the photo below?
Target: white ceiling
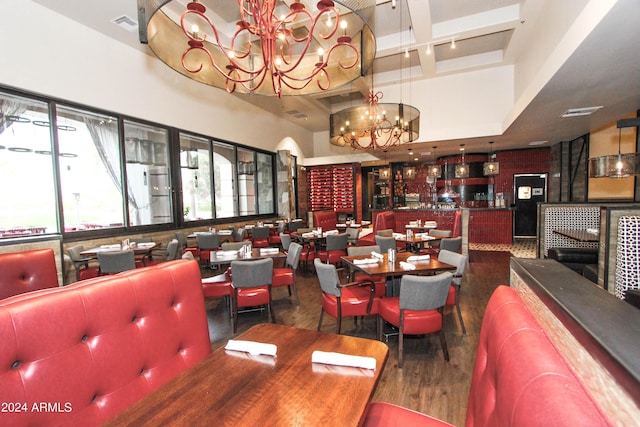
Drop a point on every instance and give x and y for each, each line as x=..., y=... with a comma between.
x=603, y=71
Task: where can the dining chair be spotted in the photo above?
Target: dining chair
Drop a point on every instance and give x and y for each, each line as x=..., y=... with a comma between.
x=285, y=241
x=207, y=243
x=354, y=234
x=274, y=235
x=335, y=247
x=453, y=244
x=343, y=300
x=184, y=244
x=82, y=264
x=385, y=243
x=286, y=276
x=170, y=253
x=453, y=298
x=387, y=232
x=295, y=226
x=418, y=309
x=434, y=245
x=239, y=234
x=251, y=281
x=380, y=281
x=116, y=261
x=218, y=287
x=260, y=237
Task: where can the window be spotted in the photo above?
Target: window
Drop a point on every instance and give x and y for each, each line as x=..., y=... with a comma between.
x=27, y=192
x=148, y=183
x=246, y=184
x=265, y=184
x=195, y=169
x=224, y=177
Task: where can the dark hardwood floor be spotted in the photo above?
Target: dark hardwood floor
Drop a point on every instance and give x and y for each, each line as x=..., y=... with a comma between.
x=426, y=383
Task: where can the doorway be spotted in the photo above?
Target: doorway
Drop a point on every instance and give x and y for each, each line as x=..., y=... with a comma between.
x=528, y=190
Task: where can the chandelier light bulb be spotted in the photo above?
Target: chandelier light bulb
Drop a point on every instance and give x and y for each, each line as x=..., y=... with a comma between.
x=320, y=55
x=429, y=49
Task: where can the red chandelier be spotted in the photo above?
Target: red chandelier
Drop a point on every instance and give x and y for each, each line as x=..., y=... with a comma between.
x=285, y=42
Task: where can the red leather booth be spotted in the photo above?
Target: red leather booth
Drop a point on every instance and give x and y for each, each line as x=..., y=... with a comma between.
x=97, y=346
x=27, y=271
x=519, y=378
x=325, y=219
x=384, y=221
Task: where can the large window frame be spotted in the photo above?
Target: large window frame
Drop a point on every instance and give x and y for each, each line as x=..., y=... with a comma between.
x=157, y=154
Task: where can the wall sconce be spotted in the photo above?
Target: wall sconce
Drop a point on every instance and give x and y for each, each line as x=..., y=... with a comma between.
x=491, y=167
x=409, y=172
x=462, y=169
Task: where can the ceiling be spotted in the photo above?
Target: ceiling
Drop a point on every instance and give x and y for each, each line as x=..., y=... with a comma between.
x=603, y=71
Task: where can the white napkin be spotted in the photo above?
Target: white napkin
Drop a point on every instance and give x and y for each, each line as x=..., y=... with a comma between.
x=426, y=236
x=377, y=255
x=252, y=347
x=227, y=254
x=146, y=244
x=111, y=246
x=407, y=266
x=414, y=258
x=330, y=232
x=365, y=261
x=399, y=236
x=340, y=359
x=430, y=224
x=264, y=251
x=592, y=230
x=308, y=235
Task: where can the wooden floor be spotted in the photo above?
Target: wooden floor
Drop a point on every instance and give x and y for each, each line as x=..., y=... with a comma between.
x=426, y=383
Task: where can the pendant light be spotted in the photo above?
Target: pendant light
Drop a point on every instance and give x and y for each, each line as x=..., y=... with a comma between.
x=462, y=169
x=491, y=167
x=434, y=170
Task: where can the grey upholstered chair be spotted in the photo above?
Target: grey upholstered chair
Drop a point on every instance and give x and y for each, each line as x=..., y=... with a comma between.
x=353, y=234
x=286, y=276
x=285, y=241
x=385, y=243
x=460, y=261
x=251, y=281
x=84, y=269
x=116, y=262
x=452, y=244
x=235, y=246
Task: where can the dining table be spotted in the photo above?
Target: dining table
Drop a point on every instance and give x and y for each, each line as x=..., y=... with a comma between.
x=138, y=249
x=236, y=388
x=417, y=241
x=580, y=235
x=226, y=257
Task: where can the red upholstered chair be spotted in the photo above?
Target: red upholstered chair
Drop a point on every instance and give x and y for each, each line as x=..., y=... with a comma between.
x=84, y=270
x=274, y=234
x=251, y=281
x=453, y=298
x=380, y=281
x=184, y=245
x=335, y=248
x=27, y=271
x=343, y=300
x=218, y=287
x=286, y=276
x=418, y=309
x=260, y=237
x=207, y=243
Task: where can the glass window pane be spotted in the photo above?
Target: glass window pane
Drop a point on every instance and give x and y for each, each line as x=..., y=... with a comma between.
x=224, y=177
x=148, y=181
x=27, y=193
x=265, y=184
x=246, y=185
x=90, y=170
x=195, y=170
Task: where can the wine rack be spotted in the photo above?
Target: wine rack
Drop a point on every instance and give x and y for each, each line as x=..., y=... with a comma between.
x=332, y=188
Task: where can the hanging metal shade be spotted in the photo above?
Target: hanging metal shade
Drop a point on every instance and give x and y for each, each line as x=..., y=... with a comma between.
x=491, y=167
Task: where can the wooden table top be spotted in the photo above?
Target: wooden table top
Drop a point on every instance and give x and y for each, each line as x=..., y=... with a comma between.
x=231, y=388
x=225, y=257
x=395, y=268
x=579, y=235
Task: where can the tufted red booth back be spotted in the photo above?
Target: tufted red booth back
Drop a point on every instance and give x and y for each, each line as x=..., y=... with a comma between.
x=27, y=271
x=325, y=219
x=520, y=378
x=89, y=350
x=385, y=221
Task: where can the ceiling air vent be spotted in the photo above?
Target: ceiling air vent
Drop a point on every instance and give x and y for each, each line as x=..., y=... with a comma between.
x=575, y=112
x=127, y=23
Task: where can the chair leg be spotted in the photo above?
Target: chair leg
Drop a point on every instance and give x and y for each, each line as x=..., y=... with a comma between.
x=295, y=292
x=464, y=330
x=400, y=344
x=234, y=314
x=321, y=316
x=443, y=342
x=379, y=327
x=272, y=315
x=338, y=324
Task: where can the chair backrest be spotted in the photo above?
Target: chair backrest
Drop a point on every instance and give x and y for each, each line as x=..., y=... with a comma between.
x=457, y=224
x=337, y=242
x=385, y=243
x=188, y=255
x=172, y=250
x=239, y=234
x=260, y=232
x=385, y=220
x=424, y=292
x=439, y=233
x=182, y=239
x=353, y=234
x=234, y=246
x=208, y=241
x=282, y=226
x=116, y=262
x=285, y=241
x=362, y=250
x=293, y=256
x=387, y=232
x=295, y=225
x=74, y=254
x=454, y=258
x=452, y=244
x=328, y=278
x=252, y=273
x=27, y=271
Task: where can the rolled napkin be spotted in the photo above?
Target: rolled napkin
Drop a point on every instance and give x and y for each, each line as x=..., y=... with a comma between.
x=145, y=244
x=592, y=230
x=407, y=265
x=339, y=359
x=377, y=255
x=252, y=347
x=415, y=258
x=330, y=232
x=308, y=235
x=426, y=236
x=399, y=236
x=265, y=251
x=365, y=261
x=429, y=224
